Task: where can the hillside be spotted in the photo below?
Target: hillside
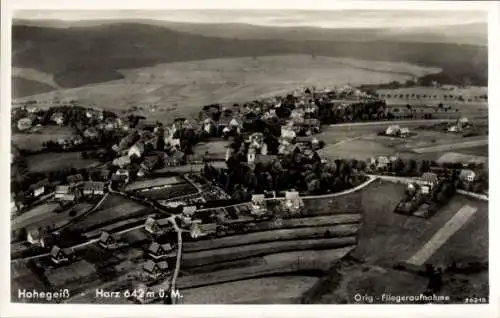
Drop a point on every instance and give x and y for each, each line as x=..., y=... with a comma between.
x=473, y=33
x=79, y=56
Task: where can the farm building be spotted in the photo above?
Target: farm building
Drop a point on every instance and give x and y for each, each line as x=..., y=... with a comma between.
x=259, y=206
x=287, y=132
x=198, y=230
x=36, y=237
x=122, y=161
x=93, y=188
x=136, y=150
x=150, y=162
x=91, y=133
x=454, y=128
x=75, y=180
x=293, y=200
x=188, y=211
x=58, y=118
x=467, y=175
x=121, y=175
x=392, y=130
x=156, y=269
x=107, y=240
x=39, y=188
x=429, y=180
x=157, y=226
x=24, y=124
x=61, y=191
x=59, y=255
x=404, y=132
x=158, y=251
x=383, y=162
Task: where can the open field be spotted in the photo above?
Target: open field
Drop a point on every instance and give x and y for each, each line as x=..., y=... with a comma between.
x=151, y=183
x=386, y=237
x=440, y=237
x=34, y=141
x=462, y=158
x=452, y=146
x=60, y=276
x=116, y=213
x=169, y=192
x=477, y=151
x=45, y=162
x=214, y=148
x=266, y=290
x=280, y=263
x=234, y=253
x=352, y=278
x=181, y=88
x=276, y=235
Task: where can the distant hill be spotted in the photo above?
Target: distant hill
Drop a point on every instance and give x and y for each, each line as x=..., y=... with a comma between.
x=474, y=34
x=83, y=55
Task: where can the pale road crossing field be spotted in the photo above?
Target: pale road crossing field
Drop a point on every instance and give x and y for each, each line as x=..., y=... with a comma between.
x=442, y=235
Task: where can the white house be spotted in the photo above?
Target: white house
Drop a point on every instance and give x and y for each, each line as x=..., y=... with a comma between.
x=392, y=130
x=58, y=118
x=24, y=124
x=293, y=201
x=467, y=175
x=136, y=150
x=259, y=206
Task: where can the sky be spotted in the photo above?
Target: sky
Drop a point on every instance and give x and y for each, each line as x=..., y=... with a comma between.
x=284, y=18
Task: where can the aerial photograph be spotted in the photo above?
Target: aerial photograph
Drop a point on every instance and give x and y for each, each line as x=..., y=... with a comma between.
x=249, y=157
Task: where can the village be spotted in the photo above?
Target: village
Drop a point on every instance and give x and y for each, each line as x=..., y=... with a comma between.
x=270, y=162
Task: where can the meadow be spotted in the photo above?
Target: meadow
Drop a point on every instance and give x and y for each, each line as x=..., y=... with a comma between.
x=181, y=88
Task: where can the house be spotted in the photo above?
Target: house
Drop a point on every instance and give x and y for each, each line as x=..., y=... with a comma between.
x=31, y=109
x=467, y=175
x=107, y=240
x=383, y=162
x=75, y=180
x=36, y=237
x=122, y=161
x=59, y=255
x=76, y=140
x=136, y=150
x=91, y=133
x=293, y=200
x=39, y=188
x=312, y=125
x=61, y=191
x=188, y=211
x=453, y=128
x=256, y=140
x=429, y=180
x=156, y=269
x=259, y=205
x=150, y=162
x=157, y=226
x=93, y=188
x=392, y=130
x=158, y=251
x=236, y=124
x=121, y=175
x=24, y=123
x=287, y=132
x=404, y=132
x=58, y=118
x=251, y=155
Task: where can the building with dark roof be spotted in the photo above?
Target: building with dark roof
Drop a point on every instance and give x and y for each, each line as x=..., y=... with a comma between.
x=93, y=188
x=158, y=251
x=60, y=255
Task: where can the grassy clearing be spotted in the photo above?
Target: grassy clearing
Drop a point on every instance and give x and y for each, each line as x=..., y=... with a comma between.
x=60, y=276
x=279, y=263
x=150, y=183
x=105, y=216
x=258, y=291
x=233, y=253
x=34, y=141
x=478, y=151
x=53, y=161
x=348, y=204
x=284, y=234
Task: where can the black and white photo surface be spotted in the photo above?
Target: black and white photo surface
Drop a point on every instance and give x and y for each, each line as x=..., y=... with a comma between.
x=249, y=157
